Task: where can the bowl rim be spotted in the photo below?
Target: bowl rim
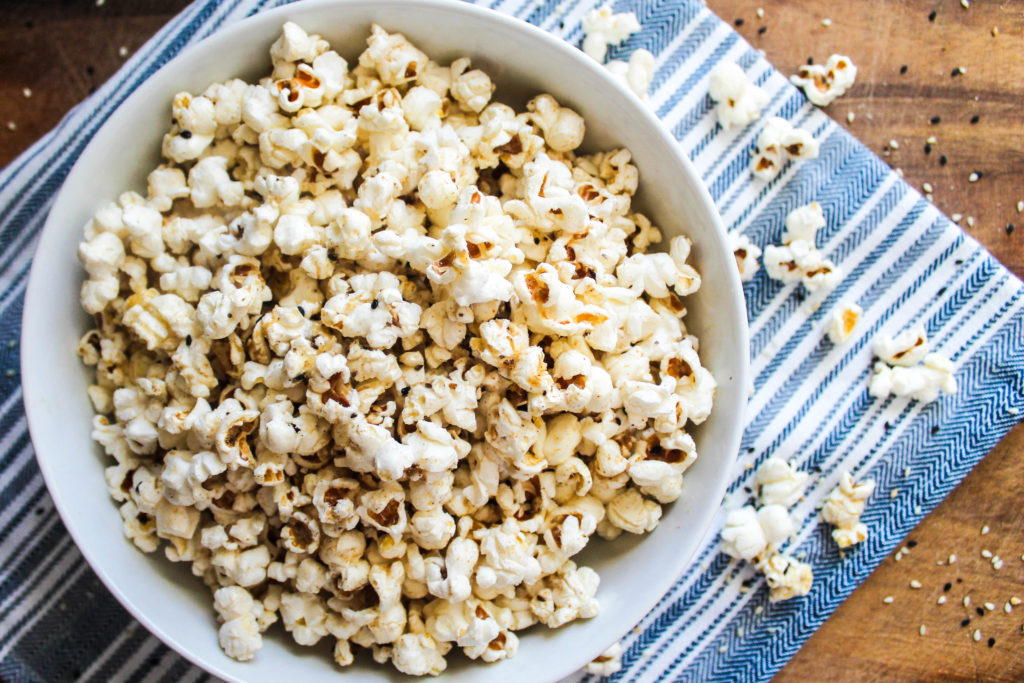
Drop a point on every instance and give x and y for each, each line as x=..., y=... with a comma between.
x=37, y=292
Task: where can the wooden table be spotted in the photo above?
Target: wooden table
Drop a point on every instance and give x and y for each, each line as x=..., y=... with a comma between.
x=60, y=50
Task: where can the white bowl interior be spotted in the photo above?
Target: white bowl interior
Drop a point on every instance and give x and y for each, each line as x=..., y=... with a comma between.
x=635, y=572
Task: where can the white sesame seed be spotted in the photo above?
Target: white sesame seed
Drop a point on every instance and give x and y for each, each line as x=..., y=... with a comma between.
x=995, y=31
x=990, y=606
x=744, y=589
x=985, y=530
x=898, y=556
x=967, y=601
x=928, y=196
x=122, y=51
x=888, y=599
x=850, y=116
x=771, y=629
x=1013, y=411
x=894, y=144
x=917, y=509
x=1014, y=601
x=927, y=187
x=1020, y=207
x=987, y=554
x=965, y=3
x=997, y=563
x=905, y=550
x=952, y=559
x=760, y=12
x=922, y=630
x=894, y=493
x=801, y=555
x=27, y=92
x=1007, y=608
x=758, y=609
x=914, y=583
x=961, y=69
x=941, y=600
x=826, y=22
x=977, y=634
x=970, y=221
x=906, y=471
x=11, y=125
x=722, y=649
x=739, y=631
x=973, y=178
x=956, y=217
x=932, y=140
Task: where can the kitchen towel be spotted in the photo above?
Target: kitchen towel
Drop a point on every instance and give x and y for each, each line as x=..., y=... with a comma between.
x=905, y=264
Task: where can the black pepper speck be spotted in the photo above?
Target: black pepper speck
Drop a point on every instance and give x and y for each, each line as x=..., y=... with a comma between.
x=903, y=69
x=927, y=148
x=943, y=160
x=931, y=16
x=936, y=120
x=966, y=622
x=739, y=21
x=762, y=30
x=945, y=589
x=980, y=611
x=991, y=642
x=975, y=119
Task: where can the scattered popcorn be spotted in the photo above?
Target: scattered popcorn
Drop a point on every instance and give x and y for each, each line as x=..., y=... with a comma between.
x=920, y=383
x=842, y=322
x=823, y=83
x=746, y=253
x=798, y=259
x=636, y=73
x=780, y=141
x=608, y=662
x=378, y=356
x=739, y=102
x=602, y=27
x=843, y=509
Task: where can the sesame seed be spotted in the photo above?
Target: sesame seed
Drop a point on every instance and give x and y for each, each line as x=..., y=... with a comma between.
x=898, y=556
x=894, y=144
x=11, y=125
x=826, y=22
x=936, y=120
x=1020, y=205
x=1007, y=608
x=894, y=493
x=942, y=160
x=997, y=563
x=914, y=583
x=948, y=585
x=922, y=630
x=99, y=3
x=1009, y=228
x=987, y=554
x=952, y=560
x=931, y=15
x=744, y=589
x=888, y=599
x=917, y=509
x=985, y=529
x=738, y=21
x=995, y=31
x=850, y=116
x=739, y=631
x=970, y=221
x=979, y=611
x=976, y=635
x=975, y=119
x=927, y=187
x=965, y=3
x=973, y=178
x=758, y=609
x=906, y=473
x=122, y=51
x=990, y=606
x=761, y=31
x=932, y=140
x=1014, y=601
x=965, y=622
x=991, y=642
x=941, y=600
x=903, y=69
x=722, y=649
x=27, y=92
x=958, y=71
x=967, y=601
x=760, y=12
x=927, y=148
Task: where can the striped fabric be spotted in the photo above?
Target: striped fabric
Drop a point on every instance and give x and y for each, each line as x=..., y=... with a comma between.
x=905, y=264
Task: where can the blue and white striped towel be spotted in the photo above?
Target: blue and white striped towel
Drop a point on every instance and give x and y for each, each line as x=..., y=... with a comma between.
x=905, y=264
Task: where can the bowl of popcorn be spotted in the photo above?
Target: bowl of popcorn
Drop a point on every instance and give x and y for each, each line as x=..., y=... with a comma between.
x=413, y=346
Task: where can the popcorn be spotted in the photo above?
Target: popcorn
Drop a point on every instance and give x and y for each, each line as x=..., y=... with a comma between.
x=843, y=509
x=823, y=83
x=777, y=483
x=636, y=73
x=908, y=348
x=747, y=254
x=787, y=577
x=842, y=322
x=918, y=375
x=780, y=141
x=739, y=101
x=608, y=662
x=602, y=27
x=799, y=260
x=743, y=536
x=371, y=387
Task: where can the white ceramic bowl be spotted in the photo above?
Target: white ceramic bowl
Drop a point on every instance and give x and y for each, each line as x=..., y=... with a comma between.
x=523, y=60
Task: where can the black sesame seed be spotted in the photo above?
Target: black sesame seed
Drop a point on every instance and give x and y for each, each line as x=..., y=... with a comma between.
x=39, y=511
x=980, y=611
x=959, y=580
x=762, y=30
x=302, y=311
x=810, y=61
x=945, y=589
x=943, y=160
x=886, y=425
x=935, y=429
x=92, y=89
x=188, y=339
x=979, y=174
x=931, y=16
x=536, y=240
x=739, y=21
x=405, y=391
x=936, y=119
x=942, y=290
x=185, y=134
x=965, y=622
x=911, y=544
x=975, y=119
x=991, y=642
x=903, y=69
x=374, y=304
x=959, y=262
x=1010, y=228
x=750, y=450
x=955, y=72
x=90, y=70
x=927, y=148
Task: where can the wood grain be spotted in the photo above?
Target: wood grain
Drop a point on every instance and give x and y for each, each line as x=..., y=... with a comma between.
x=61, y=49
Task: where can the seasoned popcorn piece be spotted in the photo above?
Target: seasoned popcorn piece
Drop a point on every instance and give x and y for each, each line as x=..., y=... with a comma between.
x=780, y=141
x=747, y=254
x=636, y=73
x=823, y=83
x=608, y=662
x=603, y=27
x=843, y=509
x=743, y=536
x=787, y=577
x=803, y=223
x=907, y=349
x=923, y=382
x=842, y=322
x=777, y=483
x=239, y=632
x=739, y=101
